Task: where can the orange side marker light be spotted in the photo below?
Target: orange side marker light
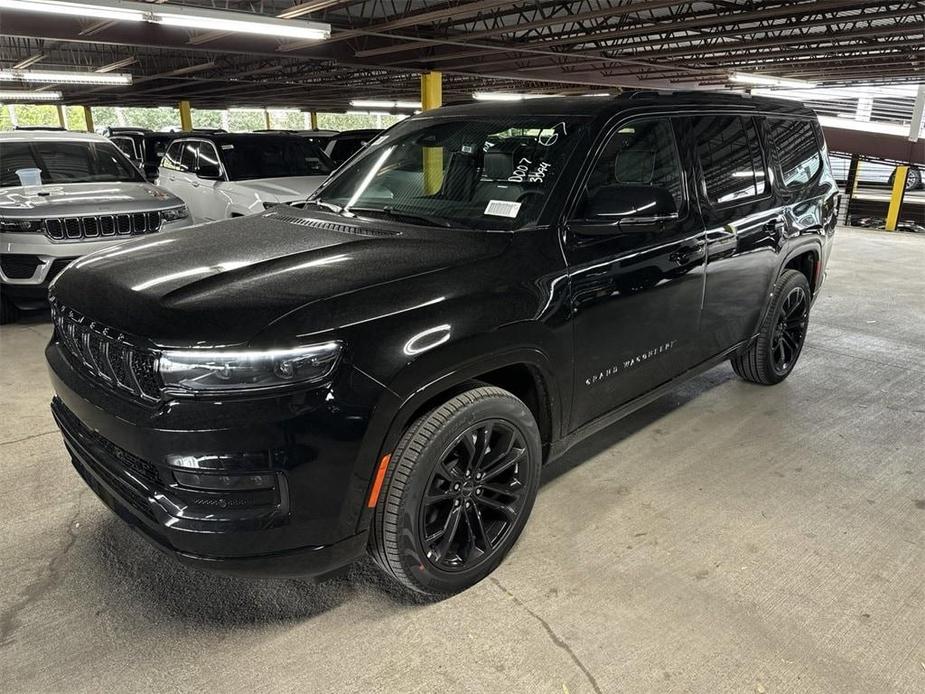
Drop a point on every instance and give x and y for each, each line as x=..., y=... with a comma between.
x=377, y=483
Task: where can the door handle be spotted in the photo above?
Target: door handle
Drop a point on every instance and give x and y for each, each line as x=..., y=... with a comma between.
x=776, y=226
x=685, y=254
x=195, y=184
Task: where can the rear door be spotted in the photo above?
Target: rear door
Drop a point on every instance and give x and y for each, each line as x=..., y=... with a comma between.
x=744, y=223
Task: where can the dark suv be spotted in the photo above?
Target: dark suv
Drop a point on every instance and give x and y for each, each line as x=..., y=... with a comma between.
x=388, y=367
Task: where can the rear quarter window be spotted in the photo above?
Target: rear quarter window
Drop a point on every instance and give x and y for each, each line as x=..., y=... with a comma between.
x=798, y=154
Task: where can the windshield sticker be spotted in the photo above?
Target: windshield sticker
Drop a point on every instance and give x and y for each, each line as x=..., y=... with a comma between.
x=502, y=208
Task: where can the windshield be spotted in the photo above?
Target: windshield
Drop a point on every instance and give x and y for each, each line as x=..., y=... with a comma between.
x=65, y=162
x=477, y=173
x=272, y=156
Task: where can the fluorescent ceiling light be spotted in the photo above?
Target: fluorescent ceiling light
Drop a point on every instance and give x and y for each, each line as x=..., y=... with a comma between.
x=65, y=77
x=379, y=103
x=99, y=10
x=369, y=113
x=177, y=16
x=769, y=80
x=506, y=96
x=29, y=96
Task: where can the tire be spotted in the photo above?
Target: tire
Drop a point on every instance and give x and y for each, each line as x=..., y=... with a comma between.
x=771, y=357
x=8, y=311
x=431, y=459
x=913, y=178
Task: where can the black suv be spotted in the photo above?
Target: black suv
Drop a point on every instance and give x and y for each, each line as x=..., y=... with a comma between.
x=388, y=367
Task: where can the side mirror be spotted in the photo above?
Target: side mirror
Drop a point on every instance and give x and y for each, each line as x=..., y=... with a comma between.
x=210, y=172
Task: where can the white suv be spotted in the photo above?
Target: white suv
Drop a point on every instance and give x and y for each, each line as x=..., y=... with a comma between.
x=62, y=195
x=226, y=175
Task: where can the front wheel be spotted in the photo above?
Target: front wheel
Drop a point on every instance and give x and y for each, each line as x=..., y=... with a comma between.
x=772, y=356
x=457, y=492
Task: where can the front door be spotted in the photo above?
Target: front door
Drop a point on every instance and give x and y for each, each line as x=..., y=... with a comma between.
x=636, y=289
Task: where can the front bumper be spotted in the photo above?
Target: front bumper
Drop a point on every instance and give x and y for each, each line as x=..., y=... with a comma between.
x=312, y=444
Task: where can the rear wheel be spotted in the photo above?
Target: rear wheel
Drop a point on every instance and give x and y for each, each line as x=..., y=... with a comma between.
x=771, y=357
x=8, y=311
x=458, y=491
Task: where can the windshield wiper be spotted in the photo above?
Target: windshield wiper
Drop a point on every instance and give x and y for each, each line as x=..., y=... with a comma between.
x=326, y=205
x=403, y=216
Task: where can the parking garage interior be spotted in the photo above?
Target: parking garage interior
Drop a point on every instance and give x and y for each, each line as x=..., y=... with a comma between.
x=725, y=537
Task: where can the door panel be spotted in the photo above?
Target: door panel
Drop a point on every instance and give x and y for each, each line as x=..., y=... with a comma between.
x=635, y=294
x=744, y=224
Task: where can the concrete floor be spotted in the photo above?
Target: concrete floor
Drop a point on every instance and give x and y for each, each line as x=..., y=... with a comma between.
x=728, y=538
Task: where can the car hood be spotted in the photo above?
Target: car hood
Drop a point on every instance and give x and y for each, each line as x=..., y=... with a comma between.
x=83, y=199
x=220, y=284
x=286, y=189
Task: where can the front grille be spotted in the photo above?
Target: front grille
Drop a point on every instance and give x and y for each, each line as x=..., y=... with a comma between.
x=109, y=356
x=100, y=226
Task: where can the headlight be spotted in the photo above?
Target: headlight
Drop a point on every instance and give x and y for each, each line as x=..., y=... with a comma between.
x=174, y=214
x=21, y=225
x=218, y=371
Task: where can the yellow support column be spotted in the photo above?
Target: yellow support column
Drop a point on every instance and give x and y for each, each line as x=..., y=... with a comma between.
x=896, y=197
x=432, y=97
x=314, y=120
x=186, y=116
x=88, y=118
x=62, y=119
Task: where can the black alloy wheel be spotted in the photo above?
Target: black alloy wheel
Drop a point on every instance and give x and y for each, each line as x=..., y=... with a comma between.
x=790, y=330
x=457, y=491
x=474, y=495
x=772, y=355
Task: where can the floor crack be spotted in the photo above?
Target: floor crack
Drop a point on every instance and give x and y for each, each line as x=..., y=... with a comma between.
x=48, y=579
x=554, y=637
x=26, y=438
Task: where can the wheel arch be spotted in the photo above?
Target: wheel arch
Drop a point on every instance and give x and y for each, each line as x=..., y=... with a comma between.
x=525, y=372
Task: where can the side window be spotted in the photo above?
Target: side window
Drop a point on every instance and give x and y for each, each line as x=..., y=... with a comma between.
x=188, y=156
x=798, y=156
x=126, y=144
x=171, y=158
x=207, y=154
x=730, y=156
x=641, y=153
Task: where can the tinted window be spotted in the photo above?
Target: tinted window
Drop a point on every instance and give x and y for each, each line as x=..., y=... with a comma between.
x=207, y=155
x=126, y=144
x=171, y=158
x=730, y=157
x=273, y=156
x=65, y=162
x=188, y=156
x=641, y=153
x=798, y=155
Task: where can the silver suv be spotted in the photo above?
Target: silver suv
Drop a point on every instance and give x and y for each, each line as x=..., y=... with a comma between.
x=63, y=195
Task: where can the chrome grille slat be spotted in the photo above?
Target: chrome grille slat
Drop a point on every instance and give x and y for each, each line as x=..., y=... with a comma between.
x=97, y=226
x=107, y=355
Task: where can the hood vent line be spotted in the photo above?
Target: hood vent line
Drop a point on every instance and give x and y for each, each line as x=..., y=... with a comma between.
x=330, y=226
